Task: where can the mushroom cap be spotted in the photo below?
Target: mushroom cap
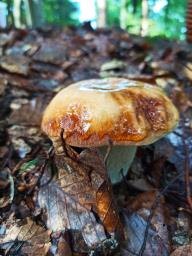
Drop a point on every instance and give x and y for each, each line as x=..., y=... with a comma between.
x=92, y=112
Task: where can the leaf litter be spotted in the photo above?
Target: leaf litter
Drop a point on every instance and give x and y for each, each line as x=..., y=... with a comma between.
x=40, y=214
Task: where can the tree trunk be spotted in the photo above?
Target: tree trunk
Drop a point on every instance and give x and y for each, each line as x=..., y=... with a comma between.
x=101, y=13
x=17, y=13
x=35, y=7
x=189, y=22
x=123, y=14
x=10, y=19
x=28, y=14
x=144, y=21
x=135, y=4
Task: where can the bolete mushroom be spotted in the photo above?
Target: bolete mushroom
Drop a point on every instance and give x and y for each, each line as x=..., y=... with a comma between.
x=94, y=112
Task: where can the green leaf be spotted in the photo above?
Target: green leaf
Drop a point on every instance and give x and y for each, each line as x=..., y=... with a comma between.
x=29, y=165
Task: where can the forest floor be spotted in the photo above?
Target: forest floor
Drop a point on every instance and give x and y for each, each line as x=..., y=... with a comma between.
x=154, y=200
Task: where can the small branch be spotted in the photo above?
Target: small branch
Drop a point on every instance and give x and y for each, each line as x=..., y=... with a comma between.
x=185, y=65
x=186, y=166
x=187, y=183
x=12, y=190
x=154, y=205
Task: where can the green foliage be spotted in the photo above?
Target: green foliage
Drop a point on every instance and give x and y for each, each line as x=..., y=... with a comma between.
x=170, y=21
x=133, y=16
x=60, y=12
x=55, y=12
x=29, y=165
x=113, y=13
x=166, y=21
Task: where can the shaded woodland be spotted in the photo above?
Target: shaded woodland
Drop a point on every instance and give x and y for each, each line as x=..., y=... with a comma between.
x=39, y=212
x=35, y=65
x=164, y=18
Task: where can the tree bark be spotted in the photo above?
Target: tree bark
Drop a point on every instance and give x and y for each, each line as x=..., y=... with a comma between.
x=144, y=20
x=189, y=22
x=123, y=14
x=134, y=3
x=28, y=13
x=101, y=13
x=35, y=7
x=10, y=19
x=17, y=13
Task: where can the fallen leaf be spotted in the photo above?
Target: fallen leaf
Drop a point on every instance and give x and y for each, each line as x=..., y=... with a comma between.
x=51, y=52
x=80, y=200
x=23, y=137
x=185, y=250
x=15, y=64
x=24, y=236
x=157, y=240
x=113, y=64
x=32, y=111
x=63, y=213
x=140, y=184
x=181, y=229
x=135, y=227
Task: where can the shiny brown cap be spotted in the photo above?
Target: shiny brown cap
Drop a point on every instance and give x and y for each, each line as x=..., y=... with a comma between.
x=93, y=111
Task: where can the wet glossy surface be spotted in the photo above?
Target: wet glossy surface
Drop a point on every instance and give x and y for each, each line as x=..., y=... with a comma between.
x=106, y=85
x=127, y=112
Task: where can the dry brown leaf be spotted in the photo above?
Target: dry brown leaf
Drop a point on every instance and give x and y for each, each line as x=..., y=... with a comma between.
x=92, y=188
x=157, y=240
x=31, y=111
x=25, y=236
x=15, y=64
x=53, y=52
x=63, y=248
x=81, y=201
x=141, y=184
x=65, y=213
x=187, y=70
x=185, y=250
x=50, y=59
x=181, y=99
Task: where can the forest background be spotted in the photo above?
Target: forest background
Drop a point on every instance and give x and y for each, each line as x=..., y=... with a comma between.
x=153, y=18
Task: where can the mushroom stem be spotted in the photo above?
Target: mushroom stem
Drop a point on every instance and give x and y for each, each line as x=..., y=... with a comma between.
x=119, y=161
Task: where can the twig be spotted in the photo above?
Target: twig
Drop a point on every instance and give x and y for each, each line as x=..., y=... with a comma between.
x=186, y=167
x=187, y=182
x=186, y=66
x=178, y=134
x=185, y=210
x=12, y=190
x=154, y=205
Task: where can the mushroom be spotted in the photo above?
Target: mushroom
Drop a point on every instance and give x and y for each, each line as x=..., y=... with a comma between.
x=97, y=112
